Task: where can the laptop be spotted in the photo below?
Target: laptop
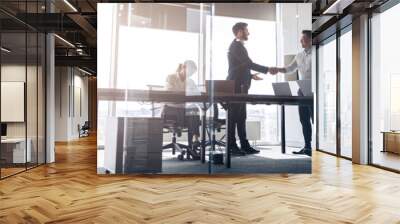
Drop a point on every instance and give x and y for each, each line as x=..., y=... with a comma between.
x=281, y=89
x=305, y=87
x=220, y=86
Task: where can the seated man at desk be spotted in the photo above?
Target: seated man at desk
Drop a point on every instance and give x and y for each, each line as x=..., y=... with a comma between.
x=180, y=81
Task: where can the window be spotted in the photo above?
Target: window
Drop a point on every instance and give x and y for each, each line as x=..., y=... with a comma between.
x=327, y=96
x=346, y=94
x=385, y=83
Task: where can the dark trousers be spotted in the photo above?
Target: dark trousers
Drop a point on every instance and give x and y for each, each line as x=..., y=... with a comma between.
x=237, y=120
x=306, y=115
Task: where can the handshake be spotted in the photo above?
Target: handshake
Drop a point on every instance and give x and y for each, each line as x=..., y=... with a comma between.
x=274, y=70
x=271, y=70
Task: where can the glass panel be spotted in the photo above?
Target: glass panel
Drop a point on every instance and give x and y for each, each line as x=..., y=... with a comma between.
x=346, y=93
x=274, y=34
x=14, y=154
x=31, y=98
x=190, y=39
x=176, y=31
x=262, y=121
x=385, y=84
x=327, y=96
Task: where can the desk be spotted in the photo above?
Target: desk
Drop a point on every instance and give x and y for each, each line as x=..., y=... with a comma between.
x=108, y=94
x=391, y=141
x=13, y=150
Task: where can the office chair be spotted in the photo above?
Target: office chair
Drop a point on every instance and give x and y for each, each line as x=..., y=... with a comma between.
x=215, y=124
x=175, y=124
x=84, y=130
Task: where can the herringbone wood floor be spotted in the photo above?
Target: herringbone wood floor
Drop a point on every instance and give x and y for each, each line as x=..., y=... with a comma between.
x=70, y=191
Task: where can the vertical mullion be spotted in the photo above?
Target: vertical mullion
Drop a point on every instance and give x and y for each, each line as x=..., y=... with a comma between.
x=369, y=87
x=37, y=90
x=44, y=78
x=338, y=74
x=0, y=91
x=317, y=97
x=26, y=86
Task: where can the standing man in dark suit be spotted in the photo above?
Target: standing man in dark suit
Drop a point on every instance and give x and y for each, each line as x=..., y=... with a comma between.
x=239, y=70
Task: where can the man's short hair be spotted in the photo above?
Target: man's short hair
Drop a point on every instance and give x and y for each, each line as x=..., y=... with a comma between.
x=238, y=26
x=307, y=33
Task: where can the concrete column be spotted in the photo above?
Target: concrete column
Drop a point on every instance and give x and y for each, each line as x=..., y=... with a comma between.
x=50, y=92
x=50, y=99
x=360, y=90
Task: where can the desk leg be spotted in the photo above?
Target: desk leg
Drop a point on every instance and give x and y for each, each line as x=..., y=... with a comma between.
x=283, y=137
x=228, y=140
x=203, y=135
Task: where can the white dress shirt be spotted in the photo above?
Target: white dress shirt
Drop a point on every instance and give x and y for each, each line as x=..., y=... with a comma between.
x=302, y=63
x=187, y=86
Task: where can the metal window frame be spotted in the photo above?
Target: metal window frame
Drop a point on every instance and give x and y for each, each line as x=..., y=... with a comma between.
x=340, y=31
x=381, y=9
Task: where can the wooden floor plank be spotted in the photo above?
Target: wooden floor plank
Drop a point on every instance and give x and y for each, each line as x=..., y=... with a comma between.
x=70, y=191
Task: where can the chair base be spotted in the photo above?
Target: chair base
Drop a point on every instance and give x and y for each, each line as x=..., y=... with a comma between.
x=191, y=154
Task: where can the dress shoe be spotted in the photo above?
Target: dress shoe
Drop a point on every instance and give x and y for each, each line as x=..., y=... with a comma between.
x=236, y=151
x=308, y=152
x=250, y=150
x=246, y=147
x=303, y=151
x=299, y=152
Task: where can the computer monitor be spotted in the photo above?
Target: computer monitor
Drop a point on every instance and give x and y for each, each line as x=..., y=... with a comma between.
x=3, y=129
x=281, y=89
x=220, y=86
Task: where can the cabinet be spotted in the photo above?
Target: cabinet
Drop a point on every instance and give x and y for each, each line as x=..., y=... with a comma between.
x=133, y=145
x=391, y=142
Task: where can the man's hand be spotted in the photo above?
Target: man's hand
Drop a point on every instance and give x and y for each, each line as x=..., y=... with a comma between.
x=273, y=70
x=256, y=77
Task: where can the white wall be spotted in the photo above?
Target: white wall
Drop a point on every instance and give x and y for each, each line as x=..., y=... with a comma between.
x=70, y=83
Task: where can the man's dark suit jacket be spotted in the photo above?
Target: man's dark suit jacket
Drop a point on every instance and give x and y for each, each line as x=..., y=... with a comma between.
x=240, y=65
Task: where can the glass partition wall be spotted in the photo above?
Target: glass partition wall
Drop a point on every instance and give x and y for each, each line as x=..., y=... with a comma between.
x=142, y=48
x=335, y=94
x=22, y=100
x=384, y=90
x=169, y=40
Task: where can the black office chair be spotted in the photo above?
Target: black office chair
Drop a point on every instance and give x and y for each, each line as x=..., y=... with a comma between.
x=215, y=124
x=175, y=124
x=84, y=129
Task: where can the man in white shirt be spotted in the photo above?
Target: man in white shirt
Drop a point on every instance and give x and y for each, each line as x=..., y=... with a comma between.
x=302, y=63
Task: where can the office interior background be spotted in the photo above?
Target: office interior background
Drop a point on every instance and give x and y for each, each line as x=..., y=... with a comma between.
x=357, y=115
x=333, y=65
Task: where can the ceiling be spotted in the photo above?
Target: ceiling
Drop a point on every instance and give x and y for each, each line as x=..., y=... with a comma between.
x=76, y=22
